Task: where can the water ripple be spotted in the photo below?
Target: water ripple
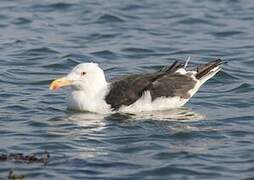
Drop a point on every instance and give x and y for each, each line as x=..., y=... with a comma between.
x=109, y=18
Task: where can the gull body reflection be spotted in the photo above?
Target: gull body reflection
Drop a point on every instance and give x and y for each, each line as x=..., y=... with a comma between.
x=88, y=118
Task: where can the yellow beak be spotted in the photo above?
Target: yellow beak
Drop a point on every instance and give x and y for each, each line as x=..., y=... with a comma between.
x=56, y=84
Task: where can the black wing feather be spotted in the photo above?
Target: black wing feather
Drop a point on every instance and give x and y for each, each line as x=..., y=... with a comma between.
x=128, y=89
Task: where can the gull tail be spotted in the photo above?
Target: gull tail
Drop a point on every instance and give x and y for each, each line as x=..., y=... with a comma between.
x=207, y=71
x=173, y=68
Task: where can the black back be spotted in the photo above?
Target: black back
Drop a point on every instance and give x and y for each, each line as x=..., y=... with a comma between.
x=165, y=83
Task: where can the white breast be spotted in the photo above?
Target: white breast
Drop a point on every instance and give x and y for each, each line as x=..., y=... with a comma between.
x=79, y=101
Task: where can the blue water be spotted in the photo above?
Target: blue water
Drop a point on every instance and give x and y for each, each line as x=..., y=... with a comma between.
x=211, y=138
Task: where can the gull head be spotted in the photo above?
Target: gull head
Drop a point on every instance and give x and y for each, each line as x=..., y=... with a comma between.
x=84, y=77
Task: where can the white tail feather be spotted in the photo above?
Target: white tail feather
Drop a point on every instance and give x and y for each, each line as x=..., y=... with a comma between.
x=209, y=75
x=187, y=61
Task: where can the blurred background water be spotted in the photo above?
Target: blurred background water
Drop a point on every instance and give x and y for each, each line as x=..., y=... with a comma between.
x=211, y=138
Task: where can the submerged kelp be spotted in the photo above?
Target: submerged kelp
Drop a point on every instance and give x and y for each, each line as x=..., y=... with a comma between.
x=32, y=158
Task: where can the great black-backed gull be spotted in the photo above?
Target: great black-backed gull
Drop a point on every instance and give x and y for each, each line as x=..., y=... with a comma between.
x=171, y=87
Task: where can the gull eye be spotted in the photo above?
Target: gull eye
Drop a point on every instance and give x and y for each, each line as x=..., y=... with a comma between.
x=83, y=73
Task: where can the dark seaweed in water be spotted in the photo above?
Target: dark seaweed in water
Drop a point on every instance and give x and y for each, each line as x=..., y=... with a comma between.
x=13, y=176
x=19, y=157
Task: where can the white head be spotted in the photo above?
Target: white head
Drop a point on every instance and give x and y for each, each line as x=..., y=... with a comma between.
x=87, y=77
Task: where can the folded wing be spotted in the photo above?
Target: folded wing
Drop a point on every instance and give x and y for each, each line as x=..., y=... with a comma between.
x=165, y=83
